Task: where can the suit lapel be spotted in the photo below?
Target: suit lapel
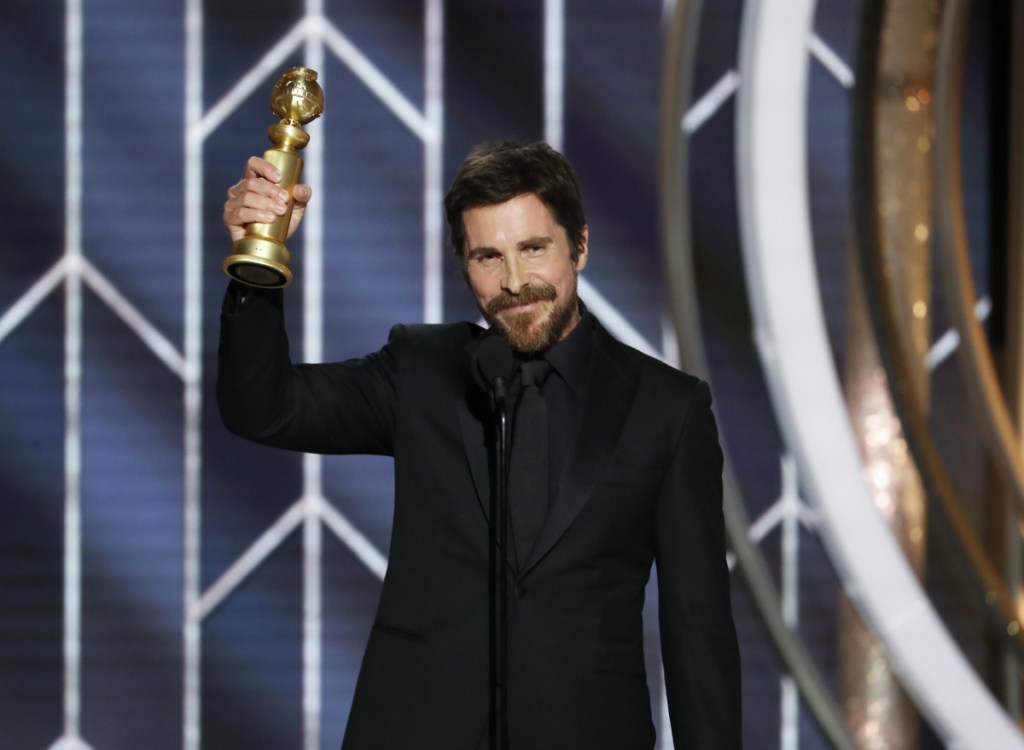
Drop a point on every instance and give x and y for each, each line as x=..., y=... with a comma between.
x=609, y=397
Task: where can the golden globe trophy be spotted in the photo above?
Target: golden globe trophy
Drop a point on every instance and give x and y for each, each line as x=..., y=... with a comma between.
x=260, y=258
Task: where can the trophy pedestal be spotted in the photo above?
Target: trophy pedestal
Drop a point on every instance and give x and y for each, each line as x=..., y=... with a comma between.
x=260, y=262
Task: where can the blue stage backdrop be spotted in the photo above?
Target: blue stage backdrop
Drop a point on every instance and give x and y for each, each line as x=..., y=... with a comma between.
x=164, y=584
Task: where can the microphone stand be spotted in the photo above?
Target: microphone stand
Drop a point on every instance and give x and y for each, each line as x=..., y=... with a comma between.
x=499, y=573
x=494, y=365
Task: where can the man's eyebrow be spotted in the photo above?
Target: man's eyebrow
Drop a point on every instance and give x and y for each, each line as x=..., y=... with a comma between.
x=540, y=240
x=476, y=252
x=535, y=241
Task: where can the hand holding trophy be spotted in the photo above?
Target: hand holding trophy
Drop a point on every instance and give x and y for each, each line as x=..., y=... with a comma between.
x=260, y=258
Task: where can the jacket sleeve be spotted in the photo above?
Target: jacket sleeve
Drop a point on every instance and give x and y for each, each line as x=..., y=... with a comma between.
x=699, y=645
x=340, y=407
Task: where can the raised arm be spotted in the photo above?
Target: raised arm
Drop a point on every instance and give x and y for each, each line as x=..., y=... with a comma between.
x=342, y=407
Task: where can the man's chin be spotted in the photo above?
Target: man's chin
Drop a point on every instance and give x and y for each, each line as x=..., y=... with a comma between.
x=524, y=331
x=536, y=330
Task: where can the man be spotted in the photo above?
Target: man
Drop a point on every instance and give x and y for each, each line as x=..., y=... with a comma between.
x=633, y=469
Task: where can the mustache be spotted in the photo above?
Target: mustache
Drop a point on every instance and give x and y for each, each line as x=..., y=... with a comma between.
x=528, y=294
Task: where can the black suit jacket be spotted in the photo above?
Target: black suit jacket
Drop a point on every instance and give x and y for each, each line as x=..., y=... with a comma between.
x=642, y=483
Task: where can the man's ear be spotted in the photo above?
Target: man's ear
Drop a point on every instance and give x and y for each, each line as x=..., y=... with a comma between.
x=582, y=249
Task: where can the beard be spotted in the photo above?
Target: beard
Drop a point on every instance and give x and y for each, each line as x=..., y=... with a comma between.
x=536, y=330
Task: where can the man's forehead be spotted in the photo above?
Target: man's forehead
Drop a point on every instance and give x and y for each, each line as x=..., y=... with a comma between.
x=522, y=215
x=530, y=200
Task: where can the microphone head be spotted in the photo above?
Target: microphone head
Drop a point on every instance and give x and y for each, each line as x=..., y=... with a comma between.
x=494, y=360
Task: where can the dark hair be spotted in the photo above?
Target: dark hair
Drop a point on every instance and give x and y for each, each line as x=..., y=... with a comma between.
x=496, y=172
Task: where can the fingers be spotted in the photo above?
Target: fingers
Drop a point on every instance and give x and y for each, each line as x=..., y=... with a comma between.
x=258, y=167
x=302, y=194
x=254, y=198
x=258, y=198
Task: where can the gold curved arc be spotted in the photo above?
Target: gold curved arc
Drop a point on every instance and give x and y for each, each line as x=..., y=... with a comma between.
x=974, y=355
x=894, y=348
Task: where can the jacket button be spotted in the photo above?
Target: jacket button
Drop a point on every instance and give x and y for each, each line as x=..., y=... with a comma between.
x=519, y=591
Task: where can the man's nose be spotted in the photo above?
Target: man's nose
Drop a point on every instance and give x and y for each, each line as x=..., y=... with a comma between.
x=514, y=278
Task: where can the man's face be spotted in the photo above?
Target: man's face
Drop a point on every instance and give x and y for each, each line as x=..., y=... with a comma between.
x=519, y=266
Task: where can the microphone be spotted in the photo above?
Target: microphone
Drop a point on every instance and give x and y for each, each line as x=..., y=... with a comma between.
x=494, y=364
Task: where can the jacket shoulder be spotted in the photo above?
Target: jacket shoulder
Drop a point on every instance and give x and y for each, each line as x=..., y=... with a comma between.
x=446, y=341
x=435, y=334
x=650, y=370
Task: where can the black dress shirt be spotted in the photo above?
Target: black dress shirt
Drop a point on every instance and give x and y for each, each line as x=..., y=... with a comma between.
x=565, y=391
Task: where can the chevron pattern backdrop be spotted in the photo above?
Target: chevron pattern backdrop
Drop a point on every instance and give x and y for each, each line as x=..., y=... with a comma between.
x=163, y=584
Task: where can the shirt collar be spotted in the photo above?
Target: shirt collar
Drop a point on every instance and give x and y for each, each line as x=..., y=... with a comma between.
x=569, y=356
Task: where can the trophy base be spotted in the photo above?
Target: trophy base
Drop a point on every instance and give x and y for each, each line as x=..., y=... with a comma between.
x=259, y=262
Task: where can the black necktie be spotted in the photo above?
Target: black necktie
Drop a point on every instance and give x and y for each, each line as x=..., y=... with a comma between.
x=528, y=464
